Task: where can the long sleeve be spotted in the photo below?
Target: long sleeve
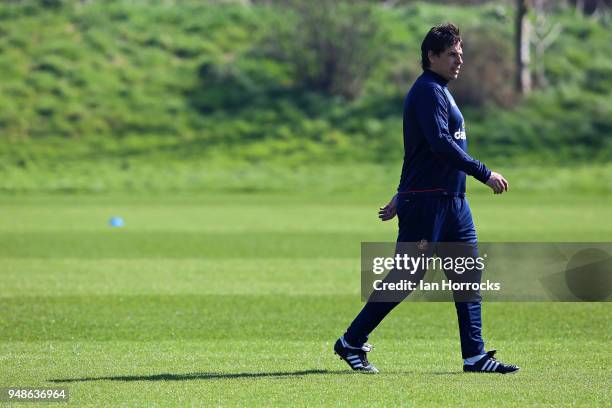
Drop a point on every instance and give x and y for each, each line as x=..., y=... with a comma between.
x=432, y=113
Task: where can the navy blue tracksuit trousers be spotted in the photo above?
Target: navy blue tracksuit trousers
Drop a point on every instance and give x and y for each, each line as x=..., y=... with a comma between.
x=434, y=218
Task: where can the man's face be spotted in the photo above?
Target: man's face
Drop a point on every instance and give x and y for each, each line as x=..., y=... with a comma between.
x=448, y=62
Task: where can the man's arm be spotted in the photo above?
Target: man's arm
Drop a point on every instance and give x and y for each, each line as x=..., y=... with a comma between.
x=432, y=113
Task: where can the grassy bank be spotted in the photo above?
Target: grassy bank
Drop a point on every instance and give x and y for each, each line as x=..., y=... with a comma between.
x=122, y=80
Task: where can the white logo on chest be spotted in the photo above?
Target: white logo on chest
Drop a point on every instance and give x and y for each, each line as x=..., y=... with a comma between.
x=460, y=134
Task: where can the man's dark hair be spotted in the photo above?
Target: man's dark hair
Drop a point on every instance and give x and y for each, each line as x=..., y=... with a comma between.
x=438, y=39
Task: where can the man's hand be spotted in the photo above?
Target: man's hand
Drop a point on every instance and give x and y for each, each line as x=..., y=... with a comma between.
x=497, y=182
x=388, y=211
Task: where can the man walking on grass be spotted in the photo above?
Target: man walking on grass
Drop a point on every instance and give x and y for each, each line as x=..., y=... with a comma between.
x=430, y=202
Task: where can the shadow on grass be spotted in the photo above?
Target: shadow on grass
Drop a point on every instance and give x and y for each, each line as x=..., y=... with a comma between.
x=199, y=376
x=446, y=372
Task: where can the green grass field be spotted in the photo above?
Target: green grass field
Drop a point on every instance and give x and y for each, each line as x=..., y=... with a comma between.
x=233, y=299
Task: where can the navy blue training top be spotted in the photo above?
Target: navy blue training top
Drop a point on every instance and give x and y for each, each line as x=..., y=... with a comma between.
x=435, y=143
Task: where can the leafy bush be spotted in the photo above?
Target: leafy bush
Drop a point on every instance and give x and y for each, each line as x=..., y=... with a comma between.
x=332, y=47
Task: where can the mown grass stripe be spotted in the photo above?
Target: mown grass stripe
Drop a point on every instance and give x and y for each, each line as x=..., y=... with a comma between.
x=130, y=245
x=300, y=317
x=70, y=277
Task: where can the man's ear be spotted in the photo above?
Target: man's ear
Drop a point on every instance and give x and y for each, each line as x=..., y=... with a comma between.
x=430, y=55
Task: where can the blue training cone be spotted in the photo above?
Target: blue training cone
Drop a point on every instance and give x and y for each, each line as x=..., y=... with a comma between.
x=116, y=222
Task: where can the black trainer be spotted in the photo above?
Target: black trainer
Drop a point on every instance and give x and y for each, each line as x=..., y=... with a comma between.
x=488, y=364
x=355, y=357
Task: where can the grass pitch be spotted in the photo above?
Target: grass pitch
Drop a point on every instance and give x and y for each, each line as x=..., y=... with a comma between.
x=237, y=300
